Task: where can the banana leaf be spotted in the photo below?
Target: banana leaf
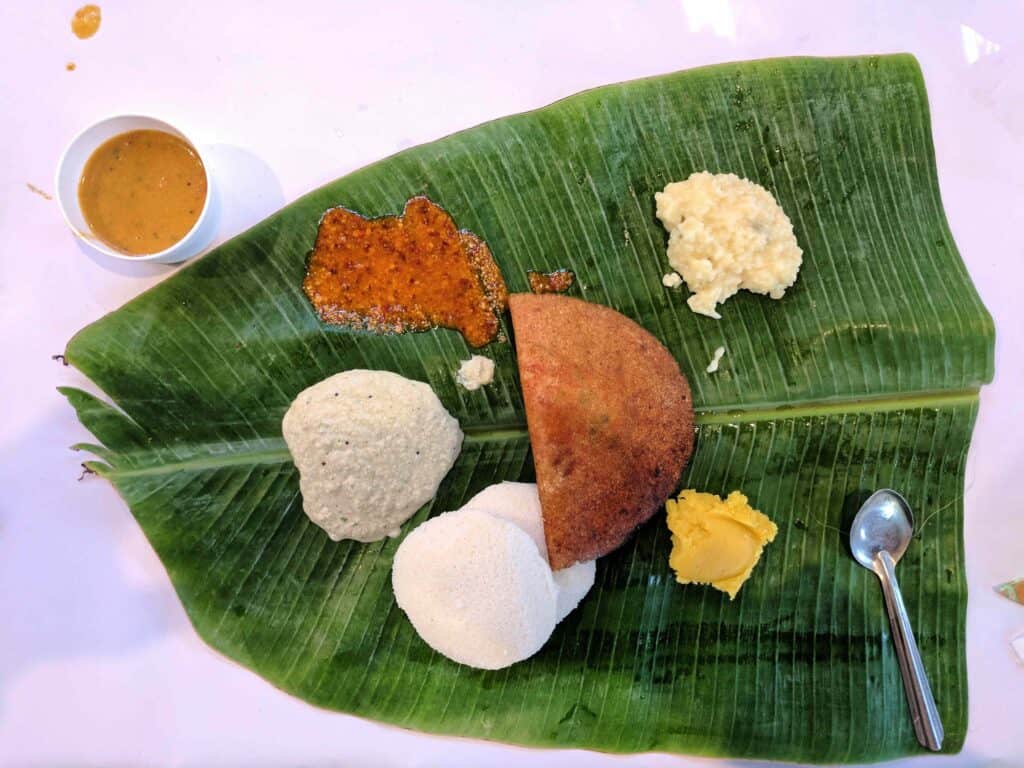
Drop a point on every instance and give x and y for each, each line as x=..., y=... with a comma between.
x=865, y=375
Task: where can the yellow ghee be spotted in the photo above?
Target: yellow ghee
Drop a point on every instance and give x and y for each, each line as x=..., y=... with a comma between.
x=716, y=541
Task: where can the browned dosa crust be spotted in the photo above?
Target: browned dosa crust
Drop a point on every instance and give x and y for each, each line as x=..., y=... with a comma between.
x=610, y=419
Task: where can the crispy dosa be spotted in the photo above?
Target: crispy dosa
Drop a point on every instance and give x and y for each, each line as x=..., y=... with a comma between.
x=610, y=419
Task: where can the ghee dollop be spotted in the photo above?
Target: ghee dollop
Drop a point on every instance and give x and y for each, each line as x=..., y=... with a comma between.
x=142, y=191
x=716, y=541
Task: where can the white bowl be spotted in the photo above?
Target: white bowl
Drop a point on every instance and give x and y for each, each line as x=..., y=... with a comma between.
x=69, y=172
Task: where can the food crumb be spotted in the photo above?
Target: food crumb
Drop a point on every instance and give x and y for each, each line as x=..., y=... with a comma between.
x=70, y=66
x=715, y=360
x=36, y=190
x=672, y=280
x=476, y=372
x=559, y=281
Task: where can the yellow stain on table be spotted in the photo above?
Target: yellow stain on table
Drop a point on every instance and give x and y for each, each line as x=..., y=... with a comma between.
x=86, y=21
x=716, y=541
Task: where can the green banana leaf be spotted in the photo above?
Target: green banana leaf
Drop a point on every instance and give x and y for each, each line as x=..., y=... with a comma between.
x=865, y=375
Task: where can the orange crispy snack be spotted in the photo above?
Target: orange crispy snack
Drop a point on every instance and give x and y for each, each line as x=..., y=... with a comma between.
x=405, y=273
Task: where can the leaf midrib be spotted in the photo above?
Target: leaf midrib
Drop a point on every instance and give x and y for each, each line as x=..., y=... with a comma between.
x=710, y=416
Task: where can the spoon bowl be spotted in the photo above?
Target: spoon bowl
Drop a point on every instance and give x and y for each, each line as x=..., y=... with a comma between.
x=884, y=523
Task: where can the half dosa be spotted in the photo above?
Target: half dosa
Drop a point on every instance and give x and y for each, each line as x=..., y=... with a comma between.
x=610, y=419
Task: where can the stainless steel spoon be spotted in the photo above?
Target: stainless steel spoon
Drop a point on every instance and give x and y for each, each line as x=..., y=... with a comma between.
x=879, y=536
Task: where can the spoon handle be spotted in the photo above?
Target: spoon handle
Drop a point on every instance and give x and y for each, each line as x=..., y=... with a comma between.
x=925, y=715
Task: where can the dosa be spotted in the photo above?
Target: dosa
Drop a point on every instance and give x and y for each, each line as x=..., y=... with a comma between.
x=610, y=418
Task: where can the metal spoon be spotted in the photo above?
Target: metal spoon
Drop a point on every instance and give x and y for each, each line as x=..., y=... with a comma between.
x=879, y=536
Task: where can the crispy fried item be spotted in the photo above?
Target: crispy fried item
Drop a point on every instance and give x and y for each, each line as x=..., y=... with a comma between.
x=405, y=273
x=610, y=419
x=559, y=281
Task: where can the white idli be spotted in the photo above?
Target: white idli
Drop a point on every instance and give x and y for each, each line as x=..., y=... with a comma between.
x=519, y=503
x=475, y=588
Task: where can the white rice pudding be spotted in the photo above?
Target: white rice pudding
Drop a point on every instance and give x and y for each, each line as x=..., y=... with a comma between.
x=727, y=234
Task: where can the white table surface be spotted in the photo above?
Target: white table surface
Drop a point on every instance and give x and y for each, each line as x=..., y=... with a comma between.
x=98, y=663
